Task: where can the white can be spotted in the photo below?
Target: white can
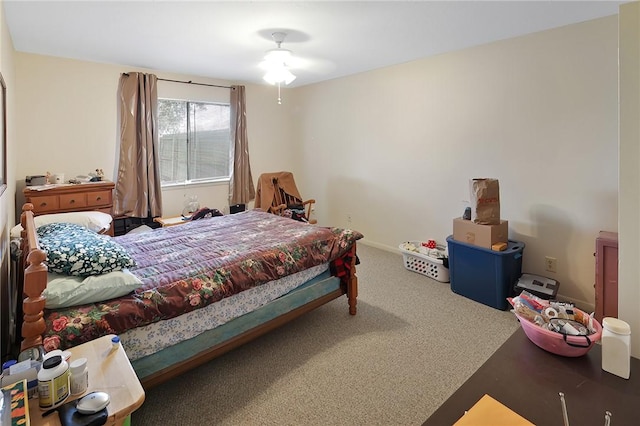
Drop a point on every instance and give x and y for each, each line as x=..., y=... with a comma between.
x=53, y=382
x=616, y=347
x=79, y=380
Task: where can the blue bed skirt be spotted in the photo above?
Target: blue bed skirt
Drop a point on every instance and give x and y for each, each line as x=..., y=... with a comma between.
x=316, y=288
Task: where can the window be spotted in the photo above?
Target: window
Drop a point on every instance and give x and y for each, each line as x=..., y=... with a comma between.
x=195, y=141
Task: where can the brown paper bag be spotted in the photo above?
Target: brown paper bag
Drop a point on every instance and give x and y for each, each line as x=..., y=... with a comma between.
x=485, y=201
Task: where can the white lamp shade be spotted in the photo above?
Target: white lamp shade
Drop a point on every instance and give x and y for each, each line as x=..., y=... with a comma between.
x=279, y=74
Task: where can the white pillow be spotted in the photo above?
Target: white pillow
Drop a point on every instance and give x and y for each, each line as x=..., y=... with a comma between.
x=64, y=291
x=95, y=221
x=140, y=229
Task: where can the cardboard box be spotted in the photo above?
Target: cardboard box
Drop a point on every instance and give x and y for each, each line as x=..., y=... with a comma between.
x=485, y=236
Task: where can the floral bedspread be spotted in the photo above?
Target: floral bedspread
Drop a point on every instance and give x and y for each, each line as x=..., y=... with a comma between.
x=190, y=266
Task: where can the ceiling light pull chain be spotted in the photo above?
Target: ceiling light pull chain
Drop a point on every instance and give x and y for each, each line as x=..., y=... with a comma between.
x=279, y=98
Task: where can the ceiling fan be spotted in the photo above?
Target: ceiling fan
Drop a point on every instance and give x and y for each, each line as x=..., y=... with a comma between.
x=276, y=64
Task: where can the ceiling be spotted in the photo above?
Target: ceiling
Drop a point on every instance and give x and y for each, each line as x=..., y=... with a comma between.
x=227, y=40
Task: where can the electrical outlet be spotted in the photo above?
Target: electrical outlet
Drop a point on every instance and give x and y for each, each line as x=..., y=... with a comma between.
x=348, y=218
x=550, y=264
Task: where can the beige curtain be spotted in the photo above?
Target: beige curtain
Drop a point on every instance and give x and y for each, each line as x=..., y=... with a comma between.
x=241, y=189
x=138, y=192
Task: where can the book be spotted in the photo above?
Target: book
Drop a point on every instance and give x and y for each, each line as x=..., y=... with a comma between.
x=14, y=405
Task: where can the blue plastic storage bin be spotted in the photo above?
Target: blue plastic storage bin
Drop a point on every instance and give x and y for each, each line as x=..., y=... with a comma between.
x=484, y=275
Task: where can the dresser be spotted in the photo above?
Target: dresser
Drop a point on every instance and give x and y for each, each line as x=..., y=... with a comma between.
x=92, y=196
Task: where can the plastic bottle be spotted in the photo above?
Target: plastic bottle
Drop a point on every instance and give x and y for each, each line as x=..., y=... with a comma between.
x=616, y=347
x=115, y=343
x=53, y=382
x=79, y=381
x=7, y=365
x=5, y=370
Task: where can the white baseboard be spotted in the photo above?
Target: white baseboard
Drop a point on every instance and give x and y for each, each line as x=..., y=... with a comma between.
x=379, y=246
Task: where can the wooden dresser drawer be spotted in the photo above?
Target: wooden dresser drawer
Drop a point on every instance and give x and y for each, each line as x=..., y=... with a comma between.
x=45, y=204
x=99, y=198
x=96, y=196
x=73, y=201
x=72, y=198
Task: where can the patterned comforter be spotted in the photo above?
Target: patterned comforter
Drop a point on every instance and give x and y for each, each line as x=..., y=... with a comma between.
x=190, y=266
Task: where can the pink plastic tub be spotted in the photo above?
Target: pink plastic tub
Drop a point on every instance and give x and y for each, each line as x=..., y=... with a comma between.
x=557, y=343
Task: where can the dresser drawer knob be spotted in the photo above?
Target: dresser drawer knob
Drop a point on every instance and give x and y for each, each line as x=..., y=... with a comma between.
x=43, y=204
x=72, y=201
x=98, y=198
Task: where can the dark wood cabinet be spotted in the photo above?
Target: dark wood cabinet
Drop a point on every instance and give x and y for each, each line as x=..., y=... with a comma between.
x=606, y=275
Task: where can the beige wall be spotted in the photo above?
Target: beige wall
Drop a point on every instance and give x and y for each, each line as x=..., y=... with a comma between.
x=7, y=55
x=67, y=122
x=629, y=245
x=394, y=148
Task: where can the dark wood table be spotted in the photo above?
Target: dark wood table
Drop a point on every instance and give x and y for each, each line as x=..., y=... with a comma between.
x=527, y=379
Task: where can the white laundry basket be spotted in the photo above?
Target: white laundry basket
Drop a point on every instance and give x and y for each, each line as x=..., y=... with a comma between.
x=424, y=264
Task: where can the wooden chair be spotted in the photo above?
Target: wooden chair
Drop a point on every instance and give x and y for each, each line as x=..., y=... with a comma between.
x=277, y=193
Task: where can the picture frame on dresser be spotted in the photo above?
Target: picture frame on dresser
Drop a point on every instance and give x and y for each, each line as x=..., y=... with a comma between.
x=3, y=136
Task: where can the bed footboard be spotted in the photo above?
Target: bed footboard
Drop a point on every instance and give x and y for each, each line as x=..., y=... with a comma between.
x=352, y=283
x=35, y=281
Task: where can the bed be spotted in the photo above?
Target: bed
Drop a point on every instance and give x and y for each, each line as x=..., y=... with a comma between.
x=205, y=288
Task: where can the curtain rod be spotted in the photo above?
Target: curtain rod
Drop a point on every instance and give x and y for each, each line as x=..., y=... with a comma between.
x=198, y=84
x=191, y=82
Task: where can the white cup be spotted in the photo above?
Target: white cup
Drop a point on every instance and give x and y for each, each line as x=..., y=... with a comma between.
x=58, y=178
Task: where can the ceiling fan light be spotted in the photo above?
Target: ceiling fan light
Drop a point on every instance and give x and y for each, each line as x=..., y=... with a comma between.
x=279, y=75
x=289, y=77
x=270, y=77
x=275, y=63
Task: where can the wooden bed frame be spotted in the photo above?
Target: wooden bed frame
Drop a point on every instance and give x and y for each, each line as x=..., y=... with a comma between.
x=35, y=282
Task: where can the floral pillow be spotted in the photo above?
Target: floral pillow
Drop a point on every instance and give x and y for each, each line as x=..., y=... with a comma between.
x=75, y=250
